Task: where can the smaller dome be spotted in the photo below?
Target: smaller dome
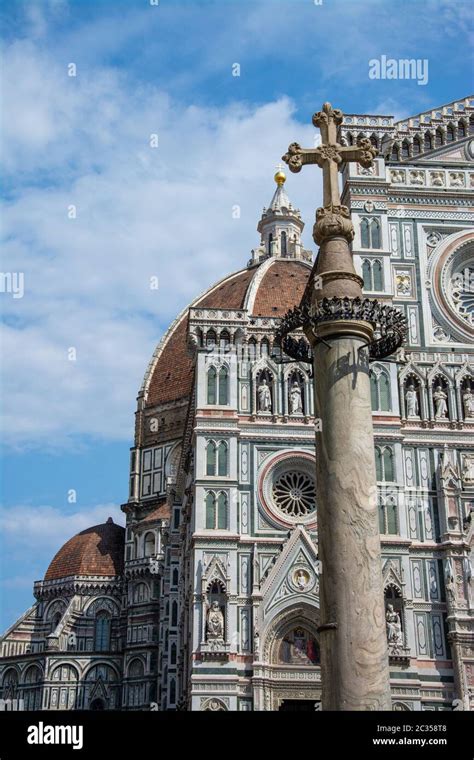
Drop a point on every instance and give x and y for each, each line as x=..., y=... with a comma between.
x=94, y=551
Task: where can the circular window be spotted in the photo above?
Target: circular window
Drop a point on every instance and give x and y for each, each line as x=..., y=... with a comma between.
x=295, y=494
x=460, y=291
x=451, y=273
x=287, y=488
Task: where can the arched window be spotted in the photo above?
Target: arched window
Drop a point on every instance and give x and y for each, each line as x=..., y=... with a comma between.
x=394, y=156
x=471, y=125
x=222, y=511
x=174, y=614
x=10, y=684
x=283, y=243
x=373, y=389
x=384, y=392
x=377, y=275
x=405, y=149
x=135, y=669
x=450, y=133
x=31, y=692
x=223, y=386
x=384, y=464
x=211, y=458
x=367, y=274
x=461, y=129
x=378, y=464
x=175, y=576
x=210, y=510
x=140, y=593
x=252, y=348
x=211, y=386
x=364, y=233
x=428, y=141
x=375, y=234
x=264, y=347
x=224, y=340
x=381, y=517
x=438, y=138
x=388, y=465
x=173, y=654
x=149, y=544
x=270, y=241
x=391, y=517
x=350, y=139
x=373, y=140
x=102, y=632
x=222, y=459
x=416, y=146
x=370, y=233
x=211, y=338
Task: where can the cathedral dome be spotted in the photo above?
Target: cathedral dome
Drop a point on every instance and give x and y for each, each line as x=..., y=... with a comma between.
x=94, y=551
x=267, y=290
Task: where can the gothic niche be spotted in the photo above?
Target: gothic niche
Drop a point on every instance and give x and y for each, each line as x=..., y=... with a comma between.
x=412, y=398
x=439, y=391
x=393, y=622
x=215, y=615
x=264, y=391
x=298, y=647
x=467, y=396
x=295, y=394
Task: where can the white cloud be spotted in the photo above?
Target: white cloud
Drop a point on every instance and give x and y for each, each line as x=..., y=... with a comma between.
x=26, y=528
x=141, y=212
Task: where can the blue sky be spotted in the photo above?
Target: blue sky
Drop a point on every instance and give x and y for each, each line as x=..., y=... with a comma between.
x=143, y=212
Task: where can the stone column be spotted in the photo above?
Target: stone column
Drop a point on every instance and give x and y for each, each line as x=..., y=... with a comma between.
x=354, y=659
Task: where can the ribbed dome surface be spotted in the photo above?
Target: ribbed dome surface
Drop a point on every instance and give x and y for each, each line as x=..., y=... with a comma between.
x=281, y=287
x=95, y=551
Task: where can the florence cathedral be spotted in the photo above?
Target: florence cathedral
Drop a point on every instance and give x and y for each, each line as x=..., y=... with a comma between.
x=208, y=599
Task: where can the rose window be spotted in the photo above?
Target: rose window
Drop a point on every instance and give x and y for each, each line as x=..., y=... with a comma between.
x=461, y=293
x=295, y=494
x=287, y=489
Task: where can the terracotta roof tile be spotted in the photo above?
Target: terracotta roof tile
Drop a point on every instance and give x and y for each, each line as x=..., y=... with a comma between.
x=282, y=288
x=162, y=512
x=95, y=551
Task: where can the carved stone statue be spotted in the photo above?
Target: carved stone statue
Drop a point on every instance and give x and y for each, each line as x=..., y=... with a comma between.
x=440, y=399
x=411, y=397
x=437, y=179
x=468, y=403
x=215, y=623
x=394, y=626
x=296, y=405
x=468, y=468
x=264, y=397
x=301, y=579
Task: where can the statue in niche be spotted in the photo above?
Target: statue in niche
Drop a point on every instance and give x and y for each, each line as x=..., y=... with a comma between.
x=264, y=396
x=468, y=468
x=411, y=397
x=215, y=623
x=296, y=404
x=468, y=403
x=301, y=579
x=441, y=407
x=394, y=626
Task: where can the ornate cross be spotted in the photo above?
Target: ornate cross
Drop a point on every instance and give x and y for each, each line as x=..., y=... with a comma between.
x=328, y=156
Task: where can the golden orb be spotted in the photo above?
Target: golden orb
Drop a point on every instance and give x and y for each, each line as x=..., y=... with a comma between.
x=280, y=177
